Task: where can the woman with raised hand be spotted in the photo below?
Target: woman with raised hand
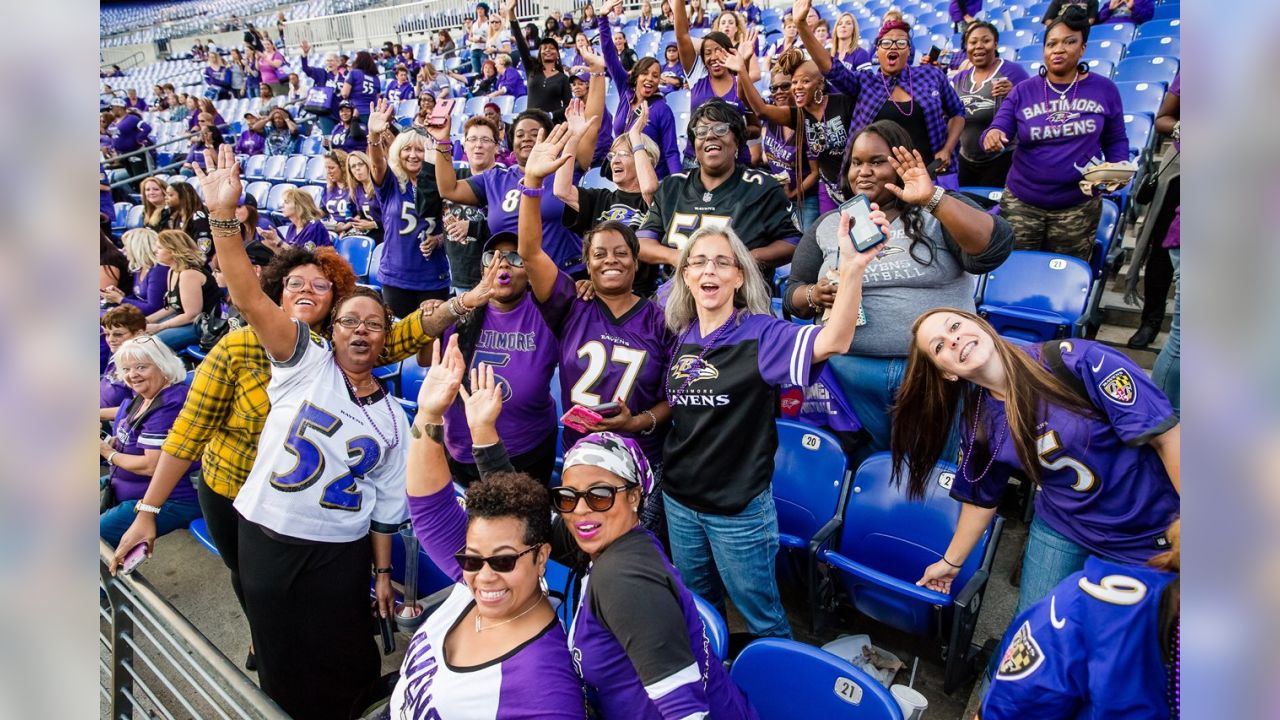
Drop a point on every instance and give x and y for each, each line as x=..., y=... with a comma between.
x=495, y=648
x=982, y=88
x=706, y=74
x=548, y=83
x=1077, y=418
x=781, y=145
x=637, y=638
x=414, y=267
x=363, y=194
x=731, y=356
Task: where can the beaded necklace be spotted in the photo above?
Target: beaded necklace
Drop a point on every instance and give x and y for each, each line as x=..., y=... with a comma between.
x=697, y=362
x=386, y=398
x=973, y=438
x=888, y=92
x=1174, y=691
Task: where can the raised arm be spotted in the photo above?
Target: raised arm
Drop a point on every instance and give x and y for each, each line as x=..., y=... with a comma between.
x=220, y=180
x=379, y=121
x=608, y=50
x=817, y=52
x=684, y=42
x=592, y=112
x=646, y=175
x=426, y=469
x=737, y=61
x=837, y=334
x=970, y=227
x=522, y=46
x=545, y=159
x=446, y=176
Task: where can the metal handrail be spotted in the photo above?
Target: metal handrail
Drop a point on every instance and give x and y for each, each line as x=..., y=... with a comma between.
x=159, y=663
x=131, y=56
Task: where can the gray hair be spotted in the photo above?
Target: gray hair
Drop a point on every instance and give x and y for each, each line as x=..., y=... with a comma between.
x=650, y=147
x=681, y=308
x=147, y=347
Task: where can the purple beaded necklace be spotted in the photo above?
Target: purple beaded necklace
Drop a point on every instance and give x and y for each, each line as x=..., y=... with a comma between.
x=1175, y=673
x=888, y=92
x=973, y=439
x=697, y=362
x=386, y=398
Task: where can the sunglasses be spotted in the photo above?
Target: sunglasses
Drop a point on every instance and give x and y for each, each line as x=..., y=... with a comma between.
x=513, y=258
x=498, y=563
x=599, y=498
x=780, y=87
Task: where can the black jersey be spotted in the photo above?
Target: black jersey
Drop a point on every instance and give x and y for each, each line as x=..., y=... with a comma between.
x=596, y=205
x=751, y=202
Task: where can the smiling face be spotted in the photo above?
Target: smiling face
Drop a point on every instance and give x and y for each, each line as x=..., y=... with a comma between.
x=781, y=86
x=806, y=84
x=622, y=162
x=512, y=281
x=411, y=156
x=980, y=48
x=596, y=530
x=306, y=304
x=152, y=191
x=527, y=133
x=955, y=344
x=647, y=82
x=116, y=336
x=620, y=41
x=1063, y=48
x=331, y=64
x=711, y=285
x=142, y=376
x=716, y=154
x=869, y=168
x=610, y=263
x=481, y=146
x=500, y=596
x=344, y=115
x=548, y=53
x=358, y=349
x=711, y=53
x=894, y=59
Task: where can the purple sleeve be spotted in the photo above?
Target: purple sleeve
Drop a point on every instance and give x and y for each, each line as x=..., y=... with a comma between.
x=612, y=62
x=844, y=80
x=354, y=78
x=1014, y=72
x=150, y=297
x=557, y=306
x=1134, y=406
x=316, y=74
x=480, y=186
x=662, y=128
x=1115, y=143
x=785, y=351
x=112, y=394
x=1006, y=118
x=1176, y=87
x=441, y=526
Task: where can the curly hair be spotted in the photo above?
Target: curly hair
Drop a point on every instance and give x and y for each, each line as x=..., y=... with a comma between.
x=333, y=266
x=513, y=495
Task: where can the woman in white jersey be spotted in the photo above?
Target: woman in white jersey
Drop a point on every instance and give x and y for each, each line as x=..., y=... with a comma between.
x=325, y=491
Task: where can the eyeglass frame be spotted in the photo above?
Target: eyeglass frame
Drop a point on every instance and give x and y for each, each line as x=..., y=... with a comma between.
x=691, y=262
x=462, y=558
x=585, y=496
x=512, y=257
x=368, y=324
x=306, y=283
x=715, y=129
x=899, y=44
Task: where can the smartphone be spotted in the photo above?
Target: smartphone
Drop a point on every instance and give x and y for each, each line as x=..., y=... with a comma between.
x=134, y=558
x=865, y=233
x=607, y=410
x=580, y=418
x=934, y=52
x=440, y=114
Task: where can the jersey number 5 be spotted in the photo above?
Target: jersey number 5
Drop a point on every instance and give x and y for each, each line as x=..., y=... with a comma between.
x=595, y=354
x=341, y=493
x=685, y=224
x=1048, y=444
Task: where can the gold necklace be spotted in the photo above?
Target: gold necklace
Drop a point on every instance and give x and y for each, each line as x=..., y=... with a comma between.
x=526, y=611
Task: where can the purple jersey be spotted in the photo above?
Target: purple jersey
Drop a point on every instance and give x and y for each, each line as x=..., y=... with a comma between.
x=397, y=92
x=403, y=264
x=523, y=352
x=366, y=204
x=112, y=393
x=722, y=394
x=512, y=83
x=148, y=293
x=350, y=138
x=250, y=143
x=311, y=236
x=147, y=431
x=856, y=59
x=700, y=91
x=1059, y=136
x=1101, y=483
x=336, y=203
x=364, y=91
x=499, y=189
x=603, y=358
x=662, y=123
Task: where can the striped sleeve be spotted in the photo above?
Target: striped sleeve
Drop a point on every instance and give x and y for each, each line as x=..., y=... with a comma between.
x=786, y=352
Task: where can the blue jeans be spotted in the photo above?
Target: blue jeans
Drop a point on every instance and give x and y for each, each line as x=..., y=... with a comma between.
x=810, y=210
x=178, y=338
x=734, y=552
x=1167, y=371
x=477, y=59
x=1049, y=558
x=174, y=515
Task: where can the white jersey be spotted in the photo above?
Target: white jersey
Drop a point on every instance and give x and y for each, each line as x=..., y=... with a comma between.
x=323, y=473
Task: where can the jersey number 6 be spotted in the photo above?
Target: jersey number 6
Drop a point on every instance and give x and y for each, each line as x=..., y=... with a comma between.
x=342, y=493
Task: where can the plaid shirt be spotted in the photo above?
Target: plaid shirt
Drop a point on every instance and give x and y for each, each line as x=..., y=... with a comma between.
x=227, y=405
x=927, y=85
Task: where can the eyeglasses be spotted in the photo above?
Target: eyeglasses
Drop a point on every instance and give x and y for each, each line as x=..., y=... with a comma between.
x=619, y=154
x=697, y=262
x=513, y=258
x=887, y=44
x=319, y=286
x=351, y=323
x=780, y=87
x=479, y=140
x=715, y=129
x=599, y=498
x=499, y=563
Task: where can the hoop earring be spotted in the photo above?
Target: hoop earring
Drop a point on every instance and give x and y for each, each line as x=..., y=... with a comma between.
x=818, y=96
x=1043, y=71
x=542, y=585
x=1082, y=68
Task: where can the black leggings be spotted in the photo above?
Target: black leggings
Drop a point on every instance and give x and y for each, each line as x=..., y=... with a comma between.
x=1158, y=273
x=992, y=173
x=538, y=464
x=403, y=302
x=223, y=521
x=311, y=619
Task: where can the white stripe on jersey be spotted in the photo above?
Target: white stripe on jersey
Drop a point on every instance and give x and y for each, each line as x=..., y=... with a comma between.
x=801, y=353
x=684, y=676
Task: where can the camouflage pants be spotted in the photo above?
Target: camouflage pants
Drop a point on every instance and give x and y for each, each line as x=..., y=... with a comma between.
x=1069, y=231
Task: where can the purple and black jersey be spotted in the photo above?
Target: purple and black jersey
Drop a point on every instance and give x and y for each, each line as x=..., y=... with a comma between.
x=751, y=202
x=364, y=91
x=603, y=358
x=403, y=230
x=499, y=189
x=1101, y=483
x=311, y=236
x=719, y=452
x=336, y=203
x=147, y=431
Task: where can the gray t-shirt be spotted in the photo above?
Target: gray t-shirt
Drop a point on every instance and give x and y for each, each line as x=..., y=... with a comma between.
x=900, y=285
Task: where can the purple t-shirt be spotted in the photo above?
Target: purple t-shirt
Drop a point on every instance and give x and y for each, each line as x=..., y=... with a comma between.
x=147, y=432
x=700, y=91
x=1057, y=138
x=112, y=393
x=364, y=91
x=250, y=143
x=523, y=352
x=603, y=358
x=499, y=189
x=662, y=122
x=311, y=236
x=1101, y=483
x=511, y=81
x=855, y=59
x=148, y=293
x=403, y=230
x=397, y=92
x=336, y=203
x=719, y=452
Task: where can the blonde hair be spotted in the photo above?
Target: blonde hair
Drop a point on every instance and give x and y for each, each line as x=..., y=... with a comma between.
x=186, y=254
x=650, y=147
x=151, y=213
x=402, y=141
x=339, y=157
x=140, y=248
x=681, y=309
x=304, y=204
x=502, y=59
x=853, y=39
x=740, y=25
x=368, y=185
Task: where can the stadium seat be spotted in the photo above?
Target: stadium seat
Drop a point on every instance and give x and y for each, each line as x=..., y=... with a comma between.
x=430, y=577
x=1037, y=296
x=1167, y=11
x=357, y=249
x=135, y=217
x=315, y=172
x=311, y=145
x=275, y=198
x=273, y=170
x=1105, y=235
x=475, y=105
x=1029, y=24
x=1019, y=39
x=1159, y=28
x=375, y=261
x=1141, y=98
x=411, y=376
x=717, y=630
x=1109, y=50
x=253, y=167
x=678, y=101
x=406, y=109
x=121, y=218
x=1115, y=32
x=594, y=180
x=506, y=103
x=259, y=191
x=520, y=104
x=200, y=531
x=317, y=194
x=1029, y=54
x=1138, y=128
x=1146, y=69
x=786, y=679
x=810, y=483
x=295, y=168
x=886, y=543
x=1167, y=46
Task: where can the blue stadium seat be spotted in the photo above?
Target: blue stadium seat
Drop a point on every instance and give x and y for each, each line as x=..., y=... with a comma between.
x=810, y=482
x=1141, y=98
x=275, y=198
x=259, y=191
x=1029, y=54
x=886, y=543
x=411, y=376
x=594, y=180
x=253, y=167
x=1037, y=296
x=375, y=262
x=295, y=168
x=520, y=104
x=311, y=145
x=315, y=172
x=785, y=679
x=200, y=531
x=1138, y=127
x=505, y=103
x=1105, y=68
x=389, y=373
x=1167, y=46
x=678, y=101
x=1147, y=69
x=121, y=218
x=717, y=630
x=1105, y=235
x=1116, y=32
x=273, y=170
x=406, y=109
x=1159, y=28
x=558, y=582
x=317, y=194
x=1109, y=50
x=1019, y=39
x=1027, y=23
x=1167, y=11
x=357, y=249
x=430, y=577
x=475, y=105
x=135, y=217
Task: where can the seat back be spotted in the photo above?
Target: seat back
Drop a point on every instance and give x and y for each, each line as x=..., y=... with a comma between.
x=1116, y=32
x=1147, y=69
x=779, y=677
x=259, y=189
x=1141, y=97
x=135, y=217
x=273, y=170
x=253, y=166
x=375, y=262
x=810, y=471
x=315, y=170
x=358, y=250
x=717, y=630
x=1167, y=45
x=275, y=198
x=1138, y=129
x=1159, y=28
x=295, y=168
x=411, y=377
x=317, y=195
x=1109, y=50
x=1105, y=236
x=1041, y=290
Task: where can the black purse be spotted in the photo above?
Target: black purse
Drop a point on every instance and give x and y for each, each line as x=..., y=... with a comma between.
x=1146, y=192
x=212, y=326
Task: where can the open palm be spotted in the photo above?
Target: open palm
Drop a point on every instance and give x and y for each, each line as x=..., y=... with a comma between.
x=546, y=157
x=917, y=186
x=220, y=182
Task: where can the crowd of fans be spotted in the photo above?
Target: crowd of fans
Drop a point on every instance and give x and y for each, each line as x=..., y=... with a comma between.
x=501, y=269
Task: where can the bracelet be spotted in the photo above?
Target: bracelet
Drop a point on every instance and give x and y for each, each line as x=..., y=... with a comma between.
x=945, y=560
x=459, y=308
x=932, y=205
x=444, y=146
x=653, y=419
x=381, y=571
x=527, y=191
x=808, y=296
x=141, y=507
x=598, y=74
x=111, y=457
x=637, y=149
x=217, y=224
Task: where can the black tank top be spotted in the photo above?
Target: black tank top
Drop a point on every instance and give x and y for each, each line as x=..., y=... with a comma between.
x=210, y=293
x=914, y=124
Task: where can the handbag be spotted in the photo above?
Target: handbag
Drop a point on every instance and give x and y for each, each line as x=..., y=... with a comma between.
x=1146, y=192
x=211, y=327
x=319, y=100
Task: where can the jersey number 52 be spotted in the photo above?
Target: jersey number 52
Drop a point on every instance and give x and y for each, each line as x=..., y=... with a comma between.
x=341, y=493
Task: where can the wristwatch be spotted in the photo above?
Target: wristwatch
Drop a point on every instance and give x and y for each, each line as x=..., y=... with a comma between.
x=932, y=205
x=432, y=430
x=143, y=507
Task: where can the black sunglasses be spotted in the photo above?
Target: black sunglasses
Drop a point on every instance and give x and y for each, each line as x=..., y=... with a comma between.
x=499, y=563
x=599, y=498
x=513, y=258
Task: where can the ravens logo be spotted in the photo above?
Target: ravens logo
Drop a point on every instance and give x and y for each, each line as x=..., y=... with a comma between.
x=691, y=366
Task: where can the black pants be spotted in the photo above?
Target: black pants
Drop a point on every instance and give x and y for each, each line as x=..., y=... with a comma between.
x=1158, y=273
x=538, y=464
x=992, y=173
x=311, y=620
x=403, y=302
x=223, y=521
